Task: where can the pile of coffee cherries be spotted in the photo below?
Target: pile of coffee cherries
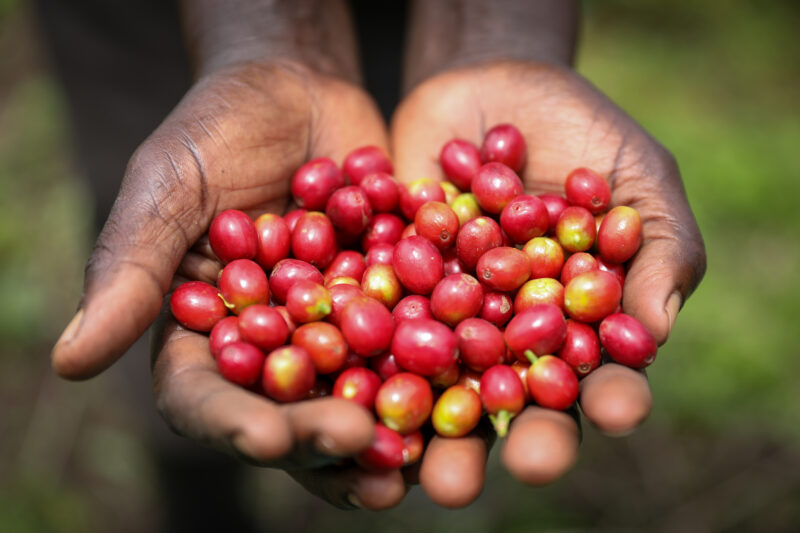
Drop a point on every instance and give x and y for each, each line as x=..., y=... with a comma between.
x=431, y=301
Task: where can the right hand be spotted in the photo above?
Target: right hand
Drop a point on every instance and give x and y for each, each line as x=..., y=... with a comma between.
x=233, y=142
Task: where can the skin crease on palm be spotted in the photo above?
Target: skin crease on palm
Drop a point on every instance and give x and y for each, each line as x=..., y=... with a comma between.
x=234, y=142
x=566, y=124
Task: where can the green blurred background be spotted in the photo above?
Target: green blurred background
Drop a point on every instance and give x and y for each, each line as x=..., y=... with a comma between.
x=718, y=83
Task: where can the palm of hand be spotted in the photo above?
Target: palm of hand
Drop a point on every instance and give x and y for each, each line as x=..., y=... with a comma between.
x=567, y=124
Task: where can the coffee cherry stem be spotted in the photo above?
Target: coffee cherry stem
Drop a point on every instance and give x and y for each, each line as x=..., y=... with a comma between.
x=500, y=421
x=531, y=356
x=226, y=302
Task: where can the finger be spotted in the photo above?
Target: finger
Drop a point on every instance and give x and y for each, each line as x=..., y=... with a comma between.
x=332, y=427
x=158, y=214
x=353, y=487
x=672, y=260
x=198, y=267
x=453, y=470
x=203, y=247
x=365, y=124
x=416, y=143
x=615, y=398
x=542, y=445
x=198, y=403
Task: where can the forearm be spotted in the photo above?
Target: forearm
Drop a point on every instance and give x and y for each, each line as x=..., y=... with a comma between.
x=451, y=33
x=316, y=33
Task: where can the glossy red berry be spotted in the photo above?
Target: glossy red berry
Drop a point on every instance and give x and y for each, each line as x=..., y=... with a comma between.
x=240, y=363
x=232, y=235
x=505, y=144
x=241, y=283
x=223, y=333
x=274, y=240
x=460, y=160
x=627, y=341
x=324, y=343
x=418, y=264
x=364, y=161
x=359, y=385
x=387, y=450
x=455, y=298
x=308, y=301
x=349, y=209
x=288, y=374
x=425, y=347
x=197, y=305
x=540, y=329
x=456, y=412
x=263, y=326
x=367, y=326
x=480, y=344
x=588, y=189
x=314, y=182
x=503, y=396
x=494, y=186
x=314, y=239
x=404, y=402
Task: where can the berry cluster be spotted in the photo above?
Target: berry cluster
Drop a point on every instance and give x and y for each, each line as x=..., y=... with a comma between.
x=422, y=302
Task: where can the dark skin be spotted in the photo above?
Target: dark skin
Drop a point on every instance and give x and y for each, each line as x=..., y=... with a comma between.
x=268, y=100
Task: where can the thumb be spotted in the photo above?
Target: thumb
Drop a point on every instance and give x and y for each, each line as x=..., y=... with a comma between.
x=418, y=137
x=159, y=212
x=672, y=260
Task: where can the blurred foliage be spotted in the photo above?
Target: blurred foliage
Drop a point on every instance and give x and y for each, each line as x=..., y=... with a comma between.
x=716, y=82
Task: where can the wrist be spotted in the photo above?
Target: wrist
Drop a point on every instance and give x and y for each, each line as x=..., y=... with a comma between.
x=317, y=34
x=456, y=33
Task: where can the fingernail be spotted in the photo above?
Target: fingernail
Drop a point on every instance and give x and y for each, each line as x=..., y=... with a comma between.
x=72, y=328
x=325, y=445
x=673, y=306
x=354, y=500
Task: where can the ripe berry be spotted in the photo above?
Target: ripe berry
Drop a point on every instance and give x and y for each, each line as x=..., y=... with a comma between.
x=457, y=412
x=494, y=186
x=241, y=283
x=425, y=347
x=274, y=240
x=460, y=160
x=263, y=326
x=404, y=402
x=197, y=305
x=455, y=298
x=324, y=343
x=418, y=264
x=367, y=326
x=587, y=189
x=232, y=235
x=364, y=161
x=308, y=301
x=504, y=143
x=359, y=385
x=551, y=382
x=438, y=223
x=627, y=341
x=480, y=344
x=503, y=396
x=314, y=182
x=288, y=374
x=504, y=268
x=385, y=452
x=240, y=363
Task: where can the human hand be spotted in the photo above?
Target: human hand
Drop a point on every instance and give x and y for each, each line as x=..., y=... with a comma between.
x=233, y=142
x=567, y=123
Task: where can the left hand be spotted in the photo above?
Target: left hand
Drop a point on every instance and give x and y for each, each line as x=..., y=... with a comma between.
x=567, y=123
